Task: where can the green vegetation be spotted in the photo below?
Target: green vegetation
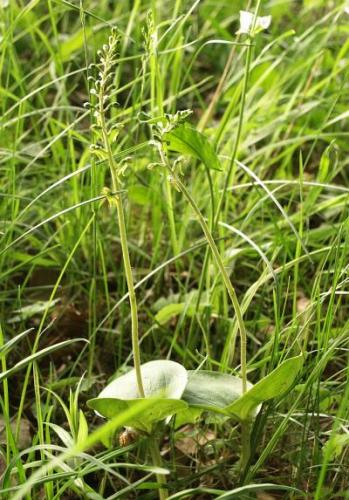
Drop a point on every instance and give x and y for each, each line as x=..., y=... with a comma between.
x=175, y=243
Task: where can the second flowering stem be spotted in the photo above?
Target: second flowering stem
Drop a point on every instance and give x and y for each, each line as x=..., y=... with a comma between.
x=219, y=261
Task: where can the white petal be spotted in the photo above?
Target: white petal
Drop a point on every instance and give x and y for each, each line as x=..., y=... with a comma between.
x=346, y=9
x=263, y=22
x=246, y=23
x=246, y=20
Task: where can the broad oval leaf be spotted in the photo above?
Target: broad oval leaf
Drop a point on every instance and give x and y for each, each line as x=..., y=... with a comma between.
x=272, y=386
x=188, y=141
x=161, y=379
x=162, y=408
x=212, y=390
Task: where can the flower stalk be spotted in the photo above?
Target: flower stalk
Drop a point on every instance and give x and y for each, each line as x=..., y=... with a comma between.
x=219, y=261
x=107, y=135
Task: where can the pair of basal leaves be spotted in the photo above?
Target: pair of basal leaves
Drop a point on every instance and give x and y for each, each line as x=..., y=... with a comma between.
x=185, y=394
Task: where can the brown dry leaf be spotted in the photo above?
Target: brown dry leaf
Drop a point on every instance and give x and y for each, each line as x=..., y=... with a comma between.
x=190, y=445
x=270, y=330
x=265, y=496
x=3, y=465
x=69, y=321
x=302, y=304
x=24, y=437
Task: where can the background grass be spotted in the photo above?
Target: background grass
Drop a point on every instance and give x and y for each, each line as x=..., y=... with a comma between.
x=60, y=261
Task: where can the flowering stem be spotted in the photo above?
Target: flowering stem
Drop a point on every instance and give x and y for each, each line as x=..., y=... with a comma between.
x=227, y=181
x=238, y=132
x=241, y=116
x=107, y=62
x=128, y=271
x=157, y=107
x=245, y=427
x=220, y=264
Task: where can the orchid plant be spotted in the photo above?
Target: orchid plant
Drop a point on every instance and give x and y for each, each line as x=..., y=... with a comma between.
x=180, y=394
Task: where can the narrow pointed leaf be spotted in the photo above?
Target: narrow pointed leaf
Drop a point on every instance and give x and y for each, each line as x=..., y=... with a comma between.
x=12, y=342
x=37, y=355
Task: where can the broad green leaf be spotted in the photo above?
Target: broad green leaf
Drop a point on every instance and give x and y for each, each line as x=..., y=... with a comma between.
x=69, y=382
x=170, y=311
x=176, y=298
x=188, y=141
x=161, y=379
x=212, y=390
x=272, y=386
x=160, y=409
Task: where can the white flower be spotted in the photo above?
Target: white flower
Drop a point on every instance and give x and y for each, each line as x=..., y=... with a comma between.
x=346, y=8
x=247, y=25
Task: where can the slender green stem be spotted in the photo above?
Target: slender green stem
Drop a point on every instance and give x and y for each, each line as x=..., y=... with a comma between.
x=240, y=121
x=238, y=132
x=245, y=426
x=217, y=93
x=6, y=400
x=133, y=300
x=235, y=146
x=220, y=264
x=245, y=445
x=124, y=246
x=157, y=461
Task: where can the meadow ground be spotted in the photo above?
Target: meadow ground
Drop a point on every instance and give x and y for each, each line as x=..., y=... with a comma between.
x=262, y=163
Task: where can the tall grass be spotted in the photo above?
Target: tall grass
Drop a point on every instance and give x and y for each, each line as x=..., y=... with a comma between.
x=276, y=111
